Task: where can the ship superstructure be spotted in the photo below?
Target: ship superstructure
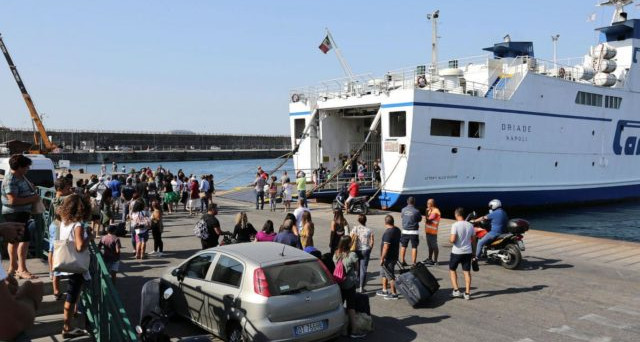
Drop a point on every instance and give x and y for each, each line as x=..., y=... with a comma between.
x=507, y=125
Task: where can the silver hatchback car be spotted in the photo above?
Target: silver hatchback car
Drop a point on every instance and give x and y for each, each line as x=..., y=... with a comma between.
x=261, y=291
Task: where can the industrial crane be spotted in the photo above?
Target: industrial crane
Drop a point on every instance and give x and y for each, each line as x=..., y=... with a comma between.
x=43, y=144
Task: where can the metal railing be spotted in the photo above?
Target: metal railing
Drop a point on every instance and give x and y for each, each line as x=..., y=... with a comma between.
x=105, y=312
x=104, y=309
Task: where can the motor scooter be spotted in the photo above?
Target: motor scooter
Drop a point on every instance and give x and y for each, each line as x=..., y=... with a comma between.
x=507, y=248
x=357, y=205
x=154, y=315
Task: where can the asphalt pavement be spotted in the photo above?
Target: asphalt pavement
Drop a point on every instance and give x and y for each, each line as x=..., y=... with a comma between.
x=568, y=288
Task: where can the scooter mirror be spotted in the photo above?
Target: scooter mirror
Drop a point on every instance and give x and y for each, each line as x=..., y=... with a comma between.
x=167, y=293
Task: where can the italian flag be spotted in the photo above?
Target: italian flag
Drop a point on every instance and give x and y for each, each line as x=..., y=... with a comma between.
x=325, y=46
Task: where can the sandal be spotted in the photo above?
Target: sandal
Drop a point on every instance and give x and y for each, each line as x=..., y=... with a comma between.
x=77, y=332
x=26, y=275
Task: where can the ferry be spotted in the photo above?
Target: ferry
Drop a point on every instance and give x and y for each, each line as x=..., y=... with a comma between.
x=505, y=125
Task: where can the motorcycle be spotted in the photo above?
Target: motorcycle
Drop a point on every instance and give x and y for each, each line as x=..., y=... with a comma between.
x=154, y=315
x=357, y=205
x=507, y=248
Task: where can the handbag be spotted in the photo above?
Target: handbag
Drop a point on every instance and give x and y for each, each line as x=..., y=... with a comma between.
x=37, y=208
x=66, y=257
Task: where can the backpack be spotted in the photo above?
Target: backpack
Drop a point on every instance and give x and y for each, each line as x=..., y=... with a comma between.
x=200, y=230
x=339, y=274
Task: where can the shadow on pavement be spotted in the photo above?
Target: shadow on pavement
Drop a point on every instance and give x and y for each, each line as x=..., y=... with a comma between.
x=511, y=290
x=397, y=330
x=541, y=264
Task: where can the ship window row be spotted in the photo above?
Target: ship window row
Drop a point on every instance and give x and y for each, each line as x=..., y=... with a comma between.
x=589, y=99
x=612, y=102
x=456, y=128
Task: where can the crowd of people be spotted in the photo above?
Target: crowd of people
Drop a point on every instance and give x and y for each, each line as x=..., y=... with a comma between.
x=92, y=209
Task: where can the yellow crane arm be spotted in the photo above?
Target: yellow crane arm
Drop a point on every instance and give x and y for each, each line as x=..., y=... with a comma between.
x=48, y=145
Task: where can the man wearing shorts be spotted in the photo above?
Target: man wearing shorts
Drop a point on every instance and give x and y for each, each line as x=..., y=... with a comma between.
x=410, y=221
x=462, y=236
x=432, y=221
x=389, y=258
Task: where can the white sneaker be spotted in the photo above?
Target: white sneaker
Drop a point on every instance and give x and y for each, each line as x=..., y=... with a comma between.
x=467, y=296
x=456, y=294
x=152, y=253
x=159, y=254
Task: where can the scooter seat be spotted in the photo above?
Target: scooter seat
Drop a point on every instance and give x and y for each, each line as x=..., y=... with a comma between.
x=499, y=239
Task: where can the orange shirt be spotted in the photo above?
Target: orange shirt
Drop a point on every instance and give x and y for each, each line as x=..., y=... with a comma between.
x=432, y=221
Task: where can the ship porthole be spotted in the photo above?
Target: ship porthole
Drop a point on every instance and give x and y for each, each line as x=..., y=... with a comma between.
x=593, y=132
x=556, y=164
x=479, y=147
x=454, y=150
x=593, y=163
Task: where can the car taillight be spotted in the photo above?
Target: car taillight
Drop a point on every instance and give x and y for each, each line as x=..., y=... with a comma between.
x=260, y=284
x=326, y=271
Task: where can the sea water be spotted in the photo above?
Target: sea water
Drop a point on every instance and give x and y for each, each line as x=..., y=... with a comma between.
x=620, y=221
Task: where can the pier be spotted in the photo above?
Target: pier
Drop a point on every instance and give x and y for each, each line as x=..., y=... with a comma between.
x=568, y=288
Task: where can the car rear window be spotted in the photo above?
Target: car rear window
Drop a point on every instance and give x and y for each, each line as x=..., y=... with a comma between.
x=296, y=278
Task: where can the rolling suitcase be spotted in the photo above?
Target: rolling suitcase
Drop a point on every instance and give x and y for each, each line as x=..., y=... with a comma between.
x=412, y=289
x=426, y=278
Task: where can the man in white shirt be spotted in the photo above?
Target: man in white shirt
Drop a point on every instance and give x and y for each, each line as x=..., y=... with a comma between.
x=204, y=188
x=298, y=214
x=462, y=236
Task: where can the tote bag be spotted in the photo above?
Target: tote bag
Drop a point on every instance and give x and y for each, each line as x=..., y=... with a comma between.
x=67, y=259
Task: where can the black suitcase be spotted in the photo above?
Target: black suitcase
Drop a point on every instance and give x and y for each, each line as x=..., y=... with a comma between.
x=362, y=303
x=412, y=289
x=426, y=278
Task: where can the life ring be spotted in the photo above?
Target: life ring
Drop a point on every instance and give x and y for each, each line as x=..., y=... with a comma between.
x=561, y=73
x=422, y=81
x=295, y=98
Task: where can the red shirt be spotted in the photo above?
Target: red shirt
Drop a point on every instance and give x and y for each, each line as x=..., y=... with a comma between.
x=353, y=189
x=195, y=192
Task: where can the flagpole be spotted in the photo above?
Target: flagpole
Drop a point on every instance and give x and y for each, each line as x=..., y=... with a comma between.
x=341, y=59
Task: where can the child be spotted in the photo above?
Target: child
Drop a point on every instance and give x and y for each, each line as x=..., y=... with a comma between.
x=287, y=192
x=273, y=191
x=110, y=247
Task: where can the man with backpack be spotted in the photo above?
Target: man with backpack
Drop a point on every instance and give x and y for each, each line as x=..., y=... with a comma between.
x=208, y=229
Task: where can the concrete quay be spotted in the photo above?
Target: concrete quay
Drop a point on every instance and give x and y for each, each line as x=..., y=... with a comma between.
x=568, y=288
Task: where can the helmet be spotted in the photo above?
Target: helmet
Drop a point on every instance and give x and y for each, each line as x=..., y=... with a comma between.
x=495, y=204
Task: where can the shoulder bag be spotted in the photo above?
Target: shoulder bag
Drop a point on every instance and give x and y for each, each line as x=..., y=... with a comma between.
x=66, y=257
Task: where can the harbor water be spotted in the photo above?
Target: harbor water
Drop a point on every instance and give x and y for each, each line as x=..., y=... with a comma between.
x=620, y=221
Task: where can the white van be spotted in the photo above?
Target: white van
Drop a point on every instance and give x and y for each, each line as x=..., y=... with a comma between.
x=41, y=173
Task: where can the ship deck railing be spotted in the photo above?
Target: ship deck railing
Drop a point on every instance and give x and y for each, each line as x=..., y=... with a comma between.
x=410, y=78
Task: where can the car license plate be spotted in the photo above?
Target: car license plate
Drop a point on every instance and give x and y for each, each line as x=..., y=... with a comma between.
x=310, y=328
x=521, y=245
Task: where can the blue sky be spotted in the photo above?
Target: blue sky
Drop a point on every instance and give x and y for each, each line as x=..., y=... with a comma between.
x=228, y=66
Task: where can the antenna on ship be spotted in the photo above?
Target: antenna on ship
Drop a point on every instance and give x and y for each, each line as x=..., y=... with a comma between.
x=341, y=59
x=619, y=14
x=433, y=69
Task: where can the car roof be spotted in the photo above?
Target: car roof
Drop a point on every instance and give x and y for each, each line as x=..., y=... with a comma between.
x=264, y=253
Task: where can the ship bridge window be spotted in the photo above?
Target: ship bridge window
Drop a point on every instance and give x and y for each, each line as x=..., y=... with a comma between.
x=589, y=99
x=476, y=129
x=612, y=102
x=446, y=128
x=398, y=124
x=298, y=125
